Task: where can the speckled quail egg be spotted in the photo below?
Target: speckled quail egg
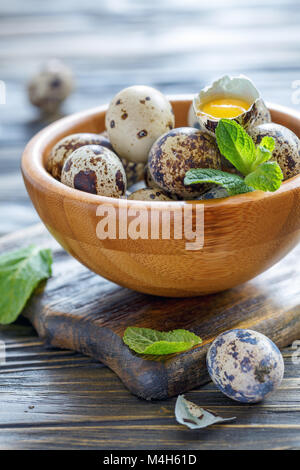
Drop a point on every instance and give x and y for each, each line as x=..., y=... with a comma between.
x=134, y=171
x=214, y=193
x=95, y=169
x=178, y=151
x=232, y=98
x=287, y=146
x=245, y=365
x=149, y=195
x=136, y=117
x=51, y=86
x=149, y=181
x=67, y=145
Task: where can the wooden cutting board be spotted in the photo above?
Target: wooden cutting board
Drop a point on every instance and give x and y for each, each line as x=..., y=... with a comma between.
x=79, y=310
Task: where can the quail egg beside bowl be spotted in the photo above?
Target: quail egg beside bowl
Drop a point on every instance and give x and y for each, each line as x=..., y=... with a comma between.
x=136, y=117
x=232, y=98
x=67, y=145
x=51, y=86
x=287, y=146
x=178, y=151
x=96, y=170
x=245, y=365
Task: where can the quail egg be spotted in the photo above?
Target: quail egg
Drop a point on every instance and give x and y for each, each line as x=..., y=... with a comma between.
x=51, y=86
x=149, y=195
x=95, y=169
x=245, y=365
x=214, y=193
x=67, y=145
x=134, y=171
x=136, y=117
x=287, y=146
x=149, y=181
x=232, y=98
x=178, y=151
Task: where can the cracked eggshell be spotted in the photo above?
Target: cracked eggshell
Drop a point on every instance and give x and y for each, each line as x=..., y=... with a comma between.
x=67, y=145
x=136, y=117
x=178, y=151
x=238, y=87
x=192, y=119
x=287, y=146
x=96, y=170
x=146, y=194
x=245, y=365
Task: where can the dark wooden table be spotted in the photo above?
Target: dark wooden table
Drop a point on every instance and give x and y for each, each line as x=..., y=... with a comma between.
x=52, y=399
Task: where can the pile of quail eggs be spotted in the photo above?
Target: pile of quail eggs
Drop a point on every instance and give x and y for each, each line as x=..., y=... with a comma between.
x=143, y=156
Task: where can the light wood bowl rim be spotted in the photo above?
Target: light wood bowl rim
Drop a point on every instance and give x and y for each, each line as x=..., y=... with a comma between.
x=33, y=167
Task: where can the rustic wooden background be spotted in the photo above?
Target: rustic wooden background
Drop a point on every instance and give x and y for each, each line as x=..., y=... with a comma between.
x=58, y=399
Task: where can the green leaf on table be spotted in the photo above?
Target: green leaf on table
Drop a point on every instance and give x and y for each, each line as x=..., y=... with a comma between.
x=233, y=184
x=20, y=273
x=195, y=417
x=235, y=145
x=267, y=177
x=148, y=341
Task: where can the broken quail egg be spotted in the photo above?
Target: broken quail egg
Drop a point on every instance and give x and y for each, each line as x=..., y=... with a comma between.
x=245, y=365
x=178, y=151
x=136, y=117
x=232, y=98
x=287, y=146
x=146, y=194
x=67, y=145
x=192, y=119
x=96, y=170
x=51, y=86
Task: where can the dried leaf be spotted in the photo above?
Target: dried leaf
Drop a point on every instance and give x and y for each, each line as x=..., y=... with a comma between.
x=195, y=417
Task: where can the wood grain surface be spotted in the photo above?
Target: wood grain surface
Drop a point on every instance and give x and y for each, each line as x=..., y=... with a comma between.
x=60, y=399
x=78, y=402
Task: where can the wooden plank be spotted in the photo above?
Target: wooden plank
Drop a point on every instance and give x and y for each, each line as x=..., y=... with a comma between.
x=66, y=316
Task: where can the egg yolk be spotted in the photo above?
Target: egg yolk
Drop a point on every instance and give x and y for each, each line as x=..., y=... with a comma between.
x=225, y=107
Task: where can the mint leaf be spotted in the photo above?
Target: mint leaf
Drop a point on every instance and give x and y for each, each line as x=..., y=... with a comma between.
x=147, y=341
x=268, y=143
x=195, y=417
x=236, y=145
x=233, y=184
x=266, y=177
x=20, y=273
x=263, y=151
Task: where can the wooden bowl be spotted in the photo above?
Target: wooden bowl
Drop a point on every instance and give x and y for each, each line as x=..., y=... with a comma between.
x=243, y=235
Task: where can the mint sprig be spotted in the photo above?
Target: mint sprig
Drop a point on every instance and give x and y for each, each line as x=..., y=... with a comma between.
x=20, y=273
x=234, y=184
x=148, y=341
x=236, y=145
x=266, y=177
x=253, y=162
